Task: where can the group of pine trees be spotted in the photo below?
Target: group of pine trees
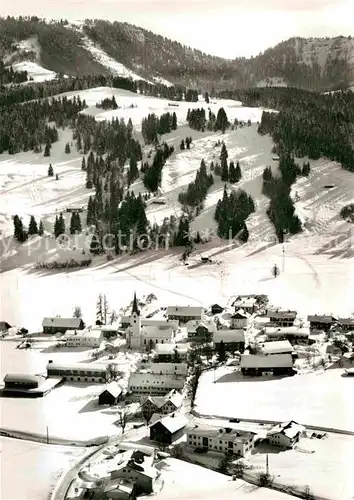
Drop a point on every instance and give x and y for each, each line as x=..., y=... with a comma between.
x=153, y=173
x=229, y=172
x=197, y=190
x=153, y=126
x=107, y=103
x=231, y=213
x=197, y=120
x=281, y=210
x=9, y=76
x=185, y=143
x=21, y=233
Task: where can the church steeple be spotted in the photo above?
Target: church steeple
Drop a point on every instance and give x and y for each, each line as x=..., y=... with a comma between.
x=135, y=308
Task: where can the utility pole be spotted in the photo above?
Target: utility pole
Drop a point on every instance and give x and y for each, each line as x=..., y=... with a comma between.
x=267, y=465
x=47, y=435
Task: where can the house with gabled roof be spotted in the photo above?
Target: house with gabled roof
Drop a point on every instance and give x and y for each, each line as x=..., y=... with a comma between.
x=154, y=384
x=247, y=304
x=163, y=405
x=347, y=324
x=61, y=325
x=281, y=318
x=233, y=340
x=321, y=322
x=276, y=347
x=220, y=440
x=168, y=429
x=260, y=364
x=200, y=331
x=168, y=353
x=111, y=394
x=239, y=320
x=286, y=435
x=185, y=313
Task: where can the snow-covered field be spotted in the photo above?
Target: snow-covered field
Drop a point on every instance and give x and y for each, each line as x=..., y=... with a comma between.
x=191, y=482
x=32, y=469
x=318, y=398
x=313, y=463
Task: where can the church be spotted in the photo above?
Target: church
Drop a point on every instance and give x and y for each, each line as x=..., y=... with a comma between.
x=146, y=336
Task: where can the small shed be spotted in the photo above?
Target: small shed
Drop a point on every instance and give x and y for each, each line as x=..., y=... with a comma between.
x=216, y=309
x=111, y=394
x=168, y=429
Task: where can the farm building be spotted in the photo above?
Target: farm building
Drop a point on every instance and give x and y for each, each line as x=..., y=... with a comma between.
x=225, y=440
x=21, y=381
x=282, y=318
x=110, y=395
x=137, y=468
x=171, y=352
x=29, y=386
x=276, y=364
x=185, y=313
x=347, y=324
x=84, y=338
x=321, y=322
x=120, y=489
x=294, y=334
x=162, y=405
x=168, y=429
x=276, y=347
x=233, y=340
x=200, y=331
x=61, y=325
x=216, y=309
x=286, y=435
x=239, y=320
x=78, y=372
x=153, y=384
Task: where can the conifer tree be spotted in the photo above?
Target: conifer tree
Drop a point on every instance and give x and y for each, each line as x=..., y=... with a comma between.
x=133, y=172
x=19, y=231
x=83, y=163
x=182, y=145
x=95, y=245
x=224, y=170
x=41, y=228
x=238, y=173
x=47, y=149
x=174, y=121
x=232, y=173
x=32, y=228
x=50, y=171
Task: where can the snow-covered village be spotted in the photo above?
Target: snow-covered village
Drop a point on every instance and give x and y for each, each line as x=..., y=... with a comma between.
x=176, y=266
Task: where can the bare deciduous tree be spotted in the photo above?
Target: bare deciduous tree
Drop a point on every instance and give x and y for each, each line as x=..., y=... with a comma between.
x=77, y=312
x=124, y=416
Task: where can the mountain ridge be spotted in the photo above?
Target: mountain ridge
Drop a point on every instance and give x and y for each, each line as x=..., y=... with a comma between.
x=317, y=64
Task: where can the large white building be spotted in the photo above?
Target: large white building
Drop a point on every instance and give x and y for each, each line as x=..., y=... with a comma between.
x=222, y=440
x=84, y=338
x=141, y=337
x=154, y=384
x=286, y=435
x=78, y=372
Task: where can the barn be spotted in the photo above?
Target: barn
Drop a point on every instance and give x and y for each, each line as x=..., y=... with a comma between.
x=61, y=325
x=111, y=394
x=168, y=429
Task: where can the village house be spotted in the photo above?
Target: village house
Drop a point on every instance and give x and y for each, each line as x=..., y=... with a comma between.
x=178, y=369
x=216, y=309
x=137, y=469
x=323, y=322
x=296, y=335
x=247, y=304
x=222, y=440
x=120, y=489
x=282, y=318
x=239, y=320
x=200, y=331
x=61, y=325
x=84, y=338
x=111, y=394
x=185, y=313
x=286, y=435
x=276, y=347
x=258, y=365
x=124, y=321
x=109, y=331
x=168, y=429
x=153, y=384
x=169, y=353
x=162, y=405
x=233, y=340
x=78, y=372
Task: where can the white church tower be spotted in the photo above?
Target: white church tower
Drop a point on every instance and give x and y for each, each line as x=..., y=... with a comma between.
x=135, y=326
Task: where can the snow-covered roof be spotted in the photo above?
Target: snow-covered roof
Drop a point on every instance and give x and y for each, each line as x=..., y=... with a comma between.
x=62, y=322
x=92, y=367
x=346, y=321
x=171, y=348
x=120, y=484
x=109, y=328
x=276, y=347
x=193, y=324
x=89, y=334
x=229, y=336
x=240, y=314
x=262, y=361
x=289, y=429
x=20, y=378
x=244, y=302
x=158, y=331
x=287, y=330
x=278, y=314
x=173, y=396
x=153, y=380
x=185, y=311
x=113, y=388
x=160, y=322
x=321, y=319
x=234, y=435
x=172, y=423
